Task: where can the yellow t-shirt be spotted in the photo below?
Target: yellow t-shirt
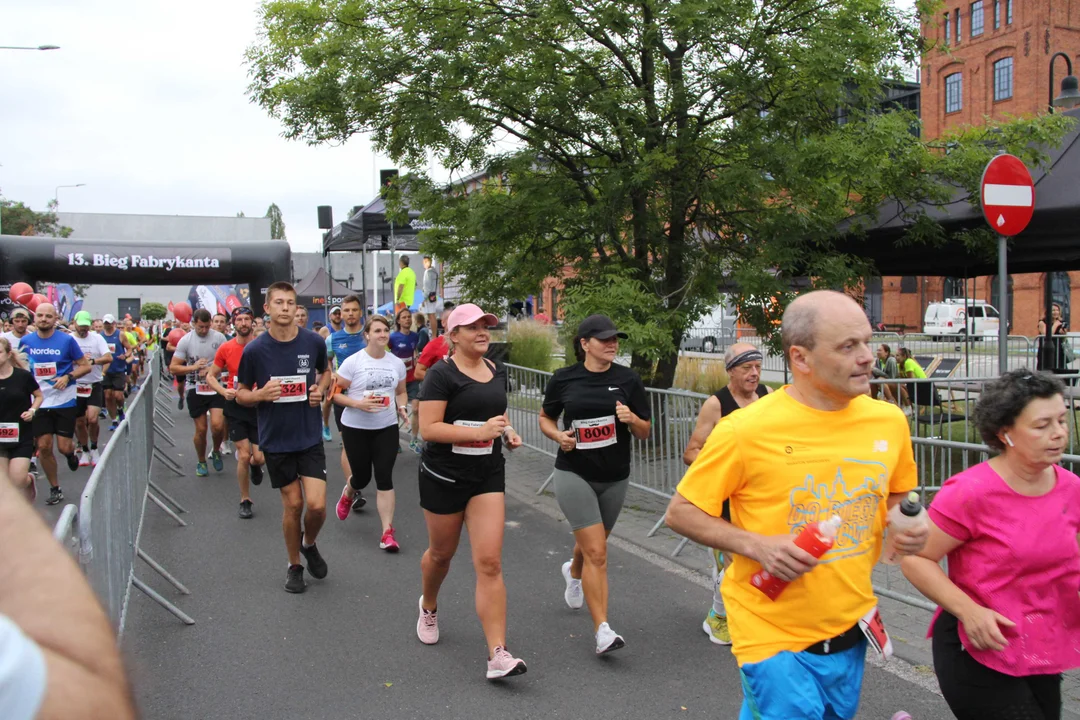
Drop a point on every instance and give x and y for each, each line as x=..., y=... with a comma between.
x=783, y=464
x=405, y=277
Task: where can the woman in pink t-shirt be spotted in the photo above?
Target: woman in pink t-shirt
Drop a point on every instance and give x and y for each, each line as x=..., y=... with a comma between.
x=1009, y=622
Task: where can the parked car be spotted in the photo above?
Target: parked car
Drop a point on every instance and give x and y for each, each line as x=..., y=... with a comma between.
x=976, y=318
x=712, y=333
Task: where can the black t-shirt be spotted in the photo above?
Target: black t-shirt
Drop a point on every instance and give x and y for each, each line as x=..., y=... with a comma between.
x=586, y=401
x=289, y=424
x=16, y=397
x=470, y=403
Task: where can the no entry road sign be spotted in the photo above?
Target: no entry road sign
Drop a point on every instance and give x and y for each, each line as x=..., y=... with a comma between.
x=1008, y=195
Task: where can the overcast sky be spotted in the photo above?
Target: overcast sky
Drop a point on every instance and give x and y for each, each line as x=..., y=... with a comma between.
x=145, y=103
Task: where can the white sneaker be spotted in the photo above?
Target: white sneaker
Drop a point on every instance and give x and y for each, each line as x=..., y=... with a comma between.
x=608, y=640
x=95, y=457
x=84, y=459
x=226, y=448
x=574, y=595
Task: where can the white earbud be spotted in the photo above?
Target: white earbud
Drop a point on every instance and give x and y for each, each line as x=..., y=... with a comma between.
x=1009, y=440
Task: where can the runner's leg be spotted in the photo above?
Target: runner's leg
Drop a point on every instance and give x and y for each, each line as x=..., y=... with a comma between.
x=383, y=456
x=200, y=437
x=591, y=544
x=444, y=534
x=243, y=468
x=292, y=503
x=46, y=459
x=217, y=427
x=315, y=510
x=485, y=517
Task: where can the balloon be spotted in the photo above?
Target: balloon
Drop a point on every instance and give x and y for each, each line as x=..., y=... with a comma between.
x=182, y=312
x=175, y=336
x=20, y=293
x=35, y=300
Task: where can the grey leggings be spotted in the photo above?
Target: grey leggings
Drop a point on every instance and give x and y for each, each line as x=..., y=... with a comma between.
x=586, y=503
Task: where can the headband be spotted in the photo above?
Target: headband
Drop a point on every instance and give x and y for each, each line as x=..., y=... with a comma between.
x=743, y=358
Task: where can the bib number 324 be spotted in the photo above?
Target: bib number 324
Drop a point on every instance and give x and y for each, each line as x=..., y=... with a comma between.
x=293, y=388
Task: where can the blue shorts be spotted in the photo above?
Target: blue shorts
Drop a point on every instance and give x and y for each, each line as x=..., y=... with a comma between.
x=804, y=686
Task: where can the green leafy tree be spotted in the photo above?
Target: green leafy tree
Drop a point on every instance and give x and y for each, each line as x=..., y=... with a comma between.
x=17, y=218
x=648, y=151
x=153, y=311
x=277, y=223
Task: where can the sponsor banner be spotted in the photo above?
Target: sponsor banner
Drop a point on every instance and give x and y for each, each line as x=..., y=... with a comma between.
x=161, y=264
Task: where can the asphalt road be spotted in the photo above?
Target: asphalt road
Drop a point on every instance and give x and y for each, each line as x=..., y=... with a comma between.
x=347, y=647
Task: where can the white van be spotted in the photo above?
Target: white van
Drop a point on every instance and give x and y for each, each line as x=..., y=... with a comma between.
x=953, y=317
x=713, y=332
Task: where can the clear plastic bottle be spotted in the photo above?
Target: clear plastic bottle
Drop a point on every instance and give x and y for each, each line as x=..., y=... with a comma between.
x=815, y=538
x=907, y=514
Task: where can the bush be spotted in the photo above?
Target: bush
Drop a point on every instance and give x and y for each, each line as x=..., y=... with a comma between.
x=153, y=311
x=702, y=375
x=531, y=344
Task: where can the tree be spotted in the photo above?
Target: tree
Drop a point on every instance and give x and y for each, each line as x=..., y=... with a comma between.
x=240, y=214
x=153, y=311
x=657, y=149
x=277, y=223
x=19, y=219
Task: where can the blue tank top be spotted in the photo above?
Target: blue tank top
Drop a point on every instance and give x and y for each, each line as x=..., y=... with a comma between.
x=116, y=347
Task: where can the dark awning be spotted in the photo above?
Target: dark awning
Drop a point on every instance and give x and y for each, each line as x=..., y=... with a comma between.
x=365, y=230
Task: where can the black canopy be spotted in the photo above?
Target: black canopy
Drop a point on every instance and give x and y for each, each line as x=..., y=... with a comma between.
x=317, y=290
x=1051, y=242
x=365, y=230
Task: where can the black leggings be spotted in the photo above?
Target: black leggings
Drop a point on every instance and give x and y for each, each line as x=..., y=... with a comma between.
x=371, y=448
x=975, y=692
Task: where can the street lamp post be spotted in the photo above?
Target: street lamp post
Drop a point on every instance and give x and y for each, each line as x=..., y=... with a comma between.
x=1070, y=87
x=56, y=193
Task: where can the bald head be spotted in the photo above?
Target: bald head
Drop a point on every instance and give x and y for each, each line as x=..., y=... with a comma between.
x=45, y=317
x=802, y=318
x=737, y=349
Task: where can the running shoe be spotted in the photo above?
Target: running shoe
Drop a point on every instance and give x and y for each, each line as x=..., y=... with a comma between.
x=574, y=595
x=388, y=543
x=73, y=462
x=344, y=505
x=200, y=470
x=84, y=458
x=215, y=457
x=902, y=715
x=120, y=413
x=256, y=474
x=399, y=449
x=294, y=581
x=358, y=500
x=416, y=446
x=715, y=626
x=245, y=510
x=55, y=495
x=427, y=626
x=95, y=457
x=315, y=563
x=326, y=433
x=115, y=424
x=608, y=640
x=225, y=449
x=102, y=415
x=502, y=664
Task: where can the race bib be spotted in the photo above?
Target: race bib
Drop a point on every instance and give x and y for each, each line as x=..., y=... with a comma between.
x=385, y=397
x=203, y=388
x=480, y=447
x=595, y=433
x=45, y=371
x=9, y=433
x=873, y=627
x=293, y=388
x=84, y=391
x=112, y=348
x=409, y=362
x=234, y=382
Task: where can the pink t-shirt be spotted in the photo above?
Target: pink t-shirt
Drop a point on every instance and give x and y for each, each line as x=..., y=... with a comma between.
x=1020, y=558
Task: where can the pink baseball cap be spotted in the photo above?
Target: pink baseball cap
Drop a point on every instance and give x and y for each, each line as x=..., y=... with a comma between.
x=467, y=314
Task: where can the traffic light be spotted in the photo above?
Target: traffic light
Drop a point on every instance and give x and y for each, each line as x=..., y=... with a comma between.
x=386, y=177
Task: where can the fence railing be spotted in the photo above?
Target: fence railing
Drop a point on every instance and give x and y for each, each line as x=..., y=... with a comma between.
x=105, y=529
x=944, y=441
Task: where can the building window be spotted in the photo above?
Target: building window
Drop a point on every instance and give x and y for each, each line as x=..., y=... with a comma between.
x=958, y=28
x=948, y=29
x=909, y=284
x=1003, y=79
x=954, y=91
x=952, y=287
x=977, y=21
x=1008, y=12
x=997, y=14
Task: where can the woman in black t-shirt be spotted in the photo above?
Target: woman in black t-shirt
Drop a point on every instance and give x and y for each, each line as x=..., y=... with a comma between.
x=20, y=397
x=463, y=479
x=602, y=405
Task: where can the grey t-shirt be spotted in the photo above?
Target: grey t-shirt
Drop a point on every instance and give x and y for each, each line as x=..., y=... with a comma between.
x=431, y=281
x=193, y=348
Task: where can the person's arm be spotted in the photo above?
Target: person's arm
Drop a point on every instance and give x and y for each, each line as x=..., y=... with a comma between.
x=178, y=366
x=636, y=414
x=215, y=385
x=43, y=592
x=709, y=415
x=550, y=427
x=34, y=406
x=402, y=399
x=419, y=371
x=433, y=429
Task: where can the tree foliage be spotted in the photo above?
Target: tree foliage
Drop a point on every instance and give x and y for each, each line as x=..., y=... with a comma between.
x=647, y=152
x=153, y=311
x=277, y=222
x=17, y=218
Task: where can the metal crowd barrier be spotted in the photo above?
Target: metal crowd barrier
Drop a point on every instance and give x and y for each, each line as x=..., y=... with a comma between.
x=944, y=440
x=105, y=529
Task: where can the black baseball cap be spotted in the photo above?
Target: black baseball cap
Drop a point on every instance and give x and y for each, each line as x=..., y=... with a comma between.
x=599, y=327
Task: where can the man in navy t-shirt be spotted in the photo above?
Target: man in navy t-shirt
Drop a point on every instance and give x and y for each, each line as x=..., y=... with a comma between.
x=58, y=361
x=283, y=373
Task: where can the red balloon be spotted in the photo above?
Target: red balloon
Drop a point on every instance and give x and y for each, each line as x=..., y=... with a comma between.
x=182, y=312
x=35, y=300
x=20, y=293
x=175, y=336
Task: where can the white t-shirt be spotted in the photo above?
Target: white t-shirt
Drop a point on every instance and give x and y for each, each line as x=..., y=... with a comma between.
x=368, y=376
x=22, y=673
x=95, y=346
x=12, y=339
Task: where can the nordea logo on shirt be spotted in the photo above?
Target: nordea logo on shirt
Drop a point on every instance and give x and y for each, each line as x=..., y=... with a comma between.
x=44, y=351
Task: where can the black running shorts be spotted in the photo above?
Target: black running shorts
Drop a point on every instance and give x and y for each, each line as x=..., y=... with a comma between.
x=95, y=399
x=285, y=468
x=55, y=421
x=115, y=381
x=441, y=497
x=199, y=405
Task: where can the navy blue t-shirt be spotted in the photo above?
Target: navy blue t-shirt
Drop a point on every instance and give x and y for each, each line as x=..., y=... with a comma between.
x=289, y=424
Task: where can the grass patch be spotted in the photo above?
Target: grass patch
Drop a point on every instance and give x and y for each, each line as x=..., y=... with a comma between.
x=701, y=375
x=532, y=345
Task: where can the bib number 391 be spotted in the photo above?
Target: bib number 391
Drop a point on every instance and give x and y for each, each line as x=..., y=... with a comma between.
x=595, y=433
x=293, y=388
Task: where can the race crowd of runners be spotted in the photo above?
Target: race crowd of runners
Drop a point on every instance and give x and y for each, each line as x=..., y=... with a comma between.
x=764, y=465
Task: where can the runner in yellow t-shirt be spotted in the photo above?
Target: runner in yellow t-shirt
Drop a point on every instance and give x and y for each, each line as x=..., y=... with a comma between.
x=818, y=447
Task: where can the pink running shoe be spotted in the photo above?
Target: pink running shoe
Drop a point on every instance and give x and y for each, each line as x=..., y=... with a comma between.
x=344, y=505
x=427, y=627
x=387, y=543
x=902, y=715
x=503, y=664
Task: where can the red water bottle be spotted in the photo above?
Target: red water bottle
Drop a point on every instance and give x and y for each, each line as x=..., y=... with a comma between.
x=815, y=538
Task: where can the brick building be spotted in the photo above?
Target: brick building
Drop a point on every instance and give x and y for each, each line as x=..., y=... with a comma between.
x=988, y=58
